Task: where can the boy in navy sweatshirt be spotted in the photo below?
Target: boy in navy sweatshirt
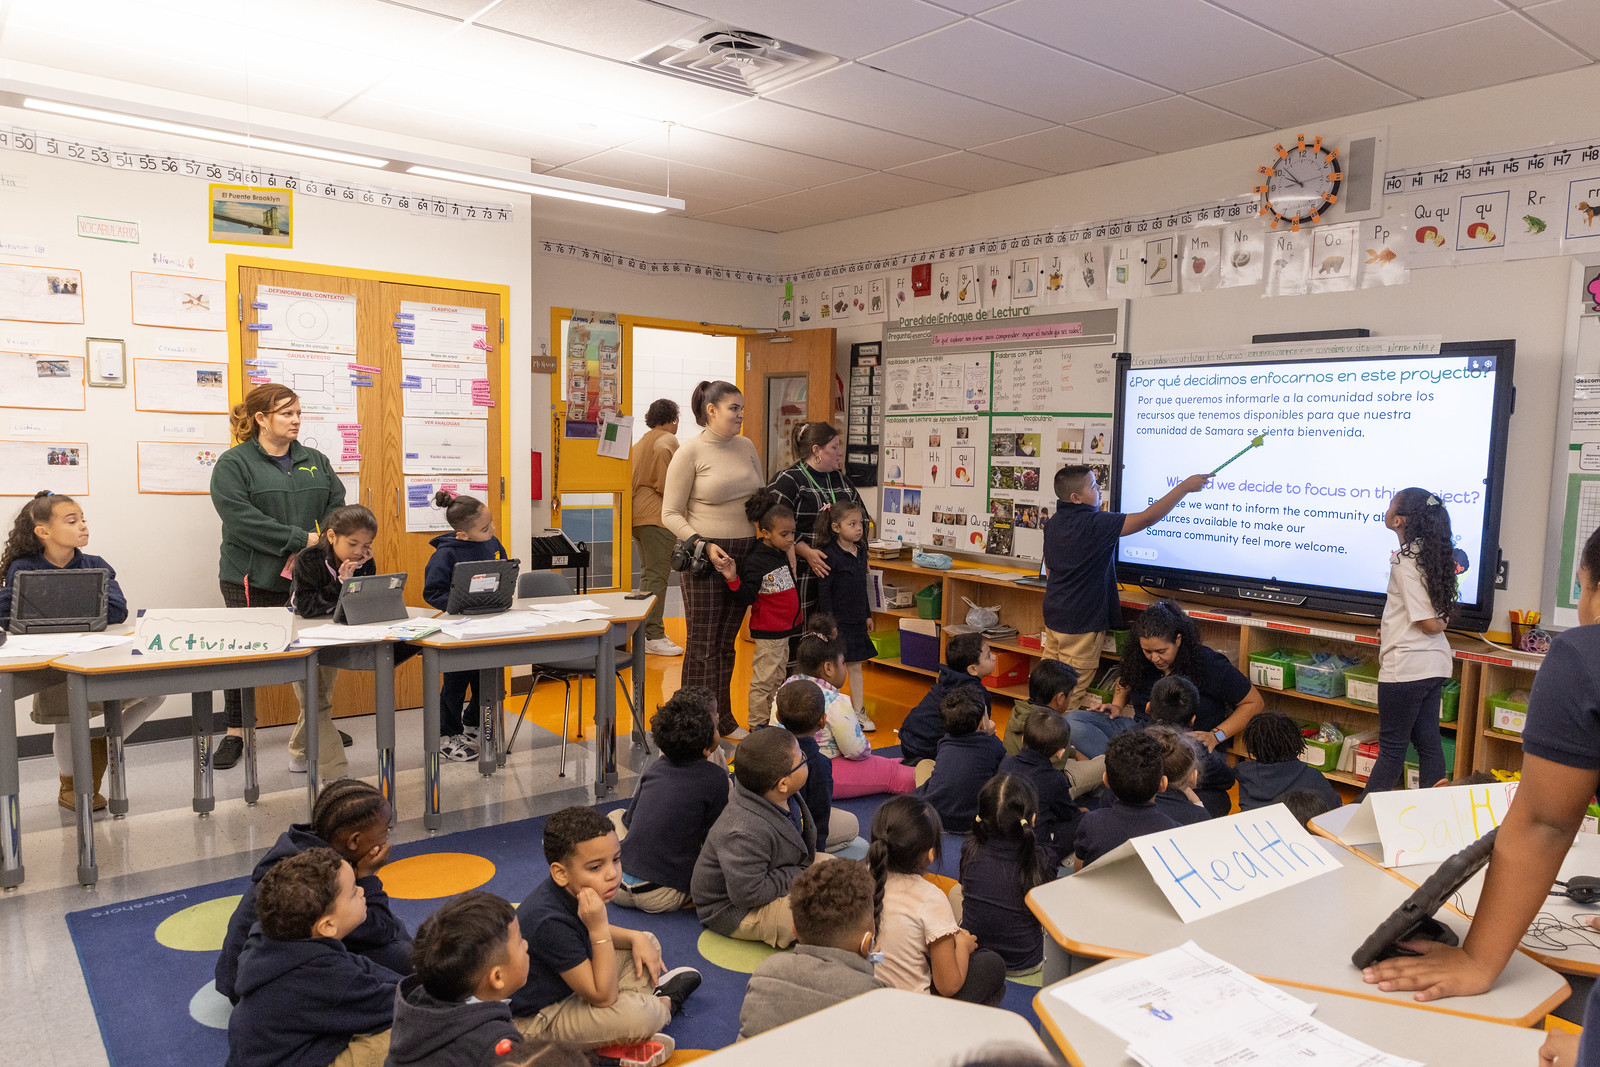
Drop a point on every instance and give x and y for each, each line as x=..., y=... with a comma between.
x=677, y=800
x=469, y=957
x=765, y=584
x=1133, y=774
x=303, y=997
x=1276, y=743
x=968, y=659
x=1046, y=739
x=471, y=540
x=969, y=755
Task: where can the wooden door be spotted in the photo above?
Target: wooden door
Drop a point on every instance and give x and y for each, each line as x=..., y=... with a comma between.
x=379, y=410
x=765, y=357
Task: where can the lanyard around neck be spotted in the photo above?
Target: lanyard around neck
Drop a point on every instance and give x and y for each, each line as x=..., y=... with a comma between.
x=831, y=493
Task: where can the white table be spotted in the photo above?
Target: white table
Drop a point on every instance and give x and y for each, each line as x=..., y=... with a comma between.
x=1303, y=935
x=1395, y=1028
x=886, y=1026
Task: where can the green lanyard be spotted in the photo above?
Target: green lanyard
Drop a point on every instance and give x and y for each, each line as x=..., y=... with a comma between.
x=833, y=496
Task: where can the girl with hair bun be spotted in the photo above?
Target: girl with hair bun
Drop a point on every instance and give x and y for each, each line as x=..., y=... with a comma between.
x=471, y=539
x=271, y=492
x=710, y=478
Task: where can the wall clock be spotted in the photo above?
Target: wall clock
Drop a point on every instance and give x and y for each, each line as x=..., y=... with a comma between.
x=1301, y=183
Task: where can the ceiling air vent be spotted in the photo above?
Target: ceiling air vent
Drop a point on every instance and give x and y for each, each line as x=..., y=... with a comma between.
x=736, y=60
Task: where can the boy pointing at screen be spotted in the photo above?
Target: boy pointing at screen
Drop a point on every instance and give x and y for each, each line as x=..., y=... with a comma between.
x=1080, y=549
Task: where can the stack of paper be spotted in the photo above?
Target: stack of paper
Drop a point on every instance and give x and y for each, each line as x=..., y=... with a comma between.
x=1187, y=1008
x=341, y=634
x=507, y=622
x=34, y=646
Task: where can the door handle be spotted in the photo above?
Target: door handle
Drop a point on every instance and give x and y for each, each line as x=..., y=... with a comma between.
x=397, y=501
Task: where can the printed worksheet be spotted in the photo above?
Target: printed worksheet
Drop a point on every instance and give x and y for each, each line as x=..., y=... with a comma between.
x=28, y=380
x=323, y=381
x=180, y=302
x=445, y=389
x=305, y=320
x=180, y=385
x=445, y=446
x=442, y=331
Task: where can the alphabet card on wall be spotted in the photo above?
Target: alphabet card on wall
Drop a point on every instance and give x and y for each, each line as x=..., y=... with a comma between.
x=1288, y=263
x=1333, y=267
x=1199, y=262
x=1161, y=267
x=996, y=287
x=1243, y=250
x=1428, y=825
x=1219, y=864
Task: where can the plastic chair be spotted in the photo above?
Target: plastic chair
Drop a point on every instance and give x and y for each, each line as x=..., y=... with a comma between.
x=548, y=584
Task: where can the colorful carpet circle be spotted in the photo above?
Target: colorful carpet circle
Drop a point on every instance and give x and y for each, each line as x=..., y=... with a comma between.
x=436, y=874
x=731, y=954
x=201, y=928
x=210, y=1008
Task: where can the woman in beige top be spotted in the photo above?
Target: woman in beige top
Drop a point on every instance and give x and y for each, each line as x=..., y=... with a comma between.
x=711, y=477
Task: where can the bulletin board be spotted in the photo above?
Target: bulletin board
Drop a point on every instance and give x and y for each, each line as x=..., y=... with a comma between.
x=978, y=416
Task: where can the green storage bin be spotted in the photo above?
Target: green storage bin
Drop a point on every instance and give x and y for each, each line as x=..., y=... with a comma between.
x=1507, y=711
x=1449, y=745
x=930, y=602
x=1115, y=643
x=1361, y=685
x=1450, y=701
x=1275, y=669
x=887, y=642
x=1321, y=755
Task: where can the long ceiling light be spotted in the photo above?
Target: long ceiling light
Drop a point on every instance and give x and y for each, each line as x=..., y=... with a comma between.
x=185, y=124
x=204, y=133
x=536, y=189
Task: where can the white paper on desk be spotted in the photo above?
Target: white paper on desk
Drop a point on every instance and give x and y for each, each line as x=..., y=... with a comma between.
x=1428, y=825
x=1244, y=1033
x=339, y=633
x=560, y=615
x=60, y=644
x=1175, y=990
x=493, y=625
x=1218, y=864
x=565, y=605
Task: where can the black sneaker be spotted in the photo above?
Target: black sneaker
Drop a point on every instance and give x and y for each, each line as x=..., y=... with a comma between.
x=676, y=985
x=345, y=739
x=228, y=752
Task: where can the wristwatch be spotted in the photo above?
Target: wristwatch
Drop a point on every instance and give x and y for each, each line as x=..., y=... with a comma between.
x=1221, y=737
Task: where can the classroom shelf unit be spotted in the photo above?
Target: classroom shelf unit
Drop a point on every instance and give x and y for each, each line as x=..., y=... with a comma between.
x=1482, y=671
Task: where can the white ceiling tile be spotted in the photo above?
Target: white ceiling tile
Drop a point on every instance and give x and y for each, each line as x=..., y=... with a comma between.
x=765, y=122
x=1171, y=125
x=474, y=131
x=1310, y=92
x=759, y=217
x=894, y=189
x=824, y=202
x=844, y=28
x=618, y=29
x=1576, y=21
x=1061, y=150
x=966, y=170
x=1005, y=69
x=711, y=150
x=1436, y=63
x=871, y=97
x=1341, y=25
x=456, y=9
x=969, y=7
x=656, y=175
x=1196, y=44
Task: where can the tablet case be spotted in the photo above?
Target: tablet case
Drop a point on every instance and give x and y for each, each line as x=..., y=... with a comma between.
x=483, y=587
x=371, y=598
x=1413, y=920
x=59, y=601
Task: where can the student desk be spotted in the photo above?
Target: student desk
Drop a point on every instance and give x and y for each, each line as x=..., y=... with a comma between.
x=115, y=674
x=1582, y=958
x=1425, y=1036
x=18, y=678
x=1301, y=936
x=886, y=1026
x=595, y=639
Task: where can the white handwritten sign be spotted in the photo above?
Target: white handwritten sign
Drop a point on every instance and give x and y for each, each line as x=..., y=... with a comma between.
x=1428, y=825
x=187, y=633
x=1219, y=864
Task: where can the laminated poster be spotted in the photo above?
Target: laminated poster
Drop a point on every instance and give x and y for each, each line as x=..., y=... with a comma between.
x=28, y=466
x=29, y=380
x=180, y=386
x=177, y=466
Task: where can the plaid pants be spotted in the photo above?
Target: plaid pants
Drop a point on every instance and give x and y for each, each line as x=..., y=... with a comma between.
x=712, y=619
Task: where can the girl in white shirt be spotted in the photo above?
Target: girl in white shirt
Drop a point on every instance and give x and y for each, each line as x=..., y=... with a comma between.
x=1414, y=659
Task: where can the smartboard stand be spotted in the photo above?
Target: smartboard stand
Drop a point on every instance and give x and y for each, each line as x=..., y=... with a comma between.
x=556, y=551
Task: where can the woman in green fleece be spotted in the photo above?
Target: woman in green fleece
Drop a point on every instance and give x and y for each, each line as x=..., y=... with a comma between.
x=271, y=492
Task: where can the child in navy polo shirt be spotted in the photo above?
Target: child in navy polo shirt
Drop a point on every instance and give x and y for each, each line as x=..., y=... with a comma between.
x=968, y=659
x=969, y=754
x=802, y=707
x=1045, y=740
x=304, y=998
x=1175, y=700
x=590, y=983
x=677, y=800
x=1080, y=549
x=1133, y=774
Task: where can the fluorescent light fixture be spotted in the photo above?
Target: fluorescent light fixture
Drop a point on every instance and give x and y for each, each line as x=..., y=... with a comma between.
x=204, y=133
x=533, y=187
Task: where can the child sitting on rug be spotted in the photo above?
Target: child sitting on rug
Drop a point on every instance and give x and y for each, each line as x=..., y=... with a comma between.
x=968, y=659
x=1175, y=699
x=677, y=800
x=832, y=957
x=469, y=957
x=762, y=841
x=1001, y=863
x=801, y=708
x=1180, y=763
x=969, y=754
x=1275, y=768
x=1133, y=774
x=352, y=818
x=305, y=1000
x=590, y=983
x=857, y=772
x=1050, y=687
x=1045, y=738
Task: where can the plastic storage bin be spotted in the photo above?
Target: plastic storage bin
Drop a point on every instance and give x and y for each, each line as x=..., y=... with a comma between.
x=1275, y=669
x=1450, y=701
x=1321, y=755
x=1449, y=745
x=919, y=644
x=1361, y=685
x=930, y=602
x=1010, y=668
x=887, y=642
x=1115, y=643
x=1322, y=677
x=1507, y=711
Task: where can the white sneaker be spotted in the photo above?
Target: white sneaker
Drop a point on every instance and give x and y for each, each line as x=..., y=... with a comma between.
x=297, y=765
x=470, y=734
x=867, y=725
x=457, y=749
x=662, y=646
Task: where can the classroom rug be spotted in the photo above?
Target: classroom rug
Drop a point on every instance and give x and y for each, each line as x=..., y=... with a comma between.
x=148, y=963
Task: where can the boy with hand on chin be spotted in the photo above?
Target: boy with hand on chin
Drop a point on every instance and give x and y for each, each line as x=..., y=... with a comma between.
x=590, y=983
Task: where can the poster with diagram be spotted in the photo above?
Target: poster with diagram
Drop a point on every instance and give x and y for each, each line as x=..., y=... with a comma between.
x=980, y=415
x=304, y=320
